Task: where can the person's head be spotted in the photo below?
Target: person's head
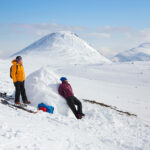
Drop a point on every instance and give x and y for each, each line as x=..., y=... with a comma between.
x=19, y=59
x=64, y=79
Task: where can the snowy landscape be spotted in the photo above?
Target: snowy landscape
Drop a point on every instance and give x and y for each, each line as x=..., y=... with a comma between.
x=122, y=83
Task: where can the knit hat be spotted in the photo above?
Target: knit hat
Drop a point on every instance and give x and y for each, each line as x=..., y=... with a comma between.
x=63, y=79
x=18, y=58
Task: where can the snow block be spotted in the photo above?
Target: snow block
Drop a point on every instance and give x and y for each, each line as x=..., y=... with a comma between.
x=42, y=87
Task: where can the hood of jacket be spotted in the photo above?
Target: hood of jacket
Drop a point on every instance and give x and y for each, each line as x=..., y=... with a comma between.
x=14, y=62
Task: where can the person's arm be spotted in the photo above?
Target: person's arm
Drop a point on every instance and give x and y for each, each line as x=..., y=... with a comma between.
x=13, y=73
x=23, y=73
x=71, y=89
x=60, y=90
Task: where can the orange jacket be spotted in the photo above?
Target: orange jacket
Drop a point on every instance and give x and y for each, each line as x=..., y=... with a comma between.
x=17, y=72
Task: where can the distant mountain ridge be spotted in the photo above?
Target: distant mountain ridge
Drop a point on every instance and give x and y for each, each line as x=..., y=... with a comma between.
x=140, y=53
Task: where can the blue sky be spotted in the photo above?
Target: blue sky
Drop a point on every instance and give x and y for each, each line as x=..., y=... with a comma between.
x=108, y=25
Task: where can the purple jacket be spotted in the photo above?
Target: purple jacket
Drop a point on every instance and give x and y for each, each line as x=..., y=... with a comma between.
x=65, y=90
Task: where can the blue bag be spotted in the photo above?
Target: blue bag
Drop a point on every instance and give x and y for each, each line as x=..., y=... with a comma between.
x=50, y=109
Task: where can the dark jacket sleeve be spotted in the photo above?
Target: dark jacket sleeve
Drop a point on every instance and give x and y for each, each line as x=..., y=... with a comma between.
x=60, y=91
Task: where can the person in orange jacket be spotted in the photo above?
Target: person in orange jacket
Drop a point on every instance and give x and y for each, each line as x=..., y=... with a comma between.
x=18, y=76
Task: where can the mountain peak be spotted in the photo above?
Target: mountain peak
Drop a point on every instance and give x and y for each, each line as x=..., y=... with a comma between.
x=145, y=45
x=61, y=33
x=64, y=45
x=140, y=53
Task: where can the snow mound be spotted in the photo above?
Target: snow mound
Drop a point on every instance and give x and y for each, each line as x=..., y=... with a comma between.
x=42, y=86
x=64, y=46
x=140, y=53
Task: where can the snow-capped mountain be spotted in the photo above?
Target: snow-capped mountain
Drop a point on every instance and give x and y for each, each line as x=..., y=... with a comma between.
x=64, y=46
x=140, y=53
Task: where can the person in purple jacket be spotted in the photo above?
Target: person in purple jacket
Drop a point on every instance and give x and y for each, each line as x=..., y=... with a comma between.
x=65, y=90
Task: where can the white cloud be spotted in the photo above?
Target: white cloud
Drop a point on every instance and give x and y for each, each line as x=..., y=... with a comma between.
x=139, y=36
x=123, y=38
x=111, y=29
x=108, y=52
x=1, y=53
x=144, y=35
x=42, y=29
x=98, y=35
x=108, y=39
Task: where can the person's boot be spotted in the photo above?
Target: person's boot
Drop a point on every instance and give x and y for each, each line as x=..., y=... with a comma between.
x=27, y=102
x=17, y=103
x=82, y=114
x=79, y=116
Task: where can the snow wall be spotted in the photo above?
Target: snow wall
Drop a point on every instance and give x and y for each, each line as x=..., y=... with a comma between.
x=42, y=86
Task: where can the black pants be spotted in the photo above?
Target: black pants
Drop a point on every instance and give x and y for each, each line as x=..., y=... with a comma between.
x=19, y=86
x=72, y=101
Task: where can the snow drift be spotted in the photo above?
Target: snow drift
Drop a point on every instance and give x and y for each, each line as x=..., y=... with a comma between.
x=140, y=53
x=63, y=46
x=42, y=86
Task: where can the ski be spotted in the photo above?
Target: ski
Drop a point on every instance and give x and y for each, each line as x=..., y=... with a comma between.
x=6, y=97
x=5, y=102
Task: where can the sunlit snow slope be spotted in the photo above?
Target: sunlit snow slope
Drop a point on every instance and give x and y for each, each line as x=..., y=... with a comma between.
x=64, y=46
x=140, y=53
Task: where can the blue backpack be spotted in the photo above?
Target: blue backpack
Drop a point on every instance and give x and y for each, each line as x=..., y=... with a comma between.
x=50, y=109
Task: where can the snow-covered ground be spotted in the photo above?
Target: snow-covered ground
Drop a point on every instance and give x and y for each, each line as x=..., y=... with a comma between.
x=124, y=85
x=92, y=76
